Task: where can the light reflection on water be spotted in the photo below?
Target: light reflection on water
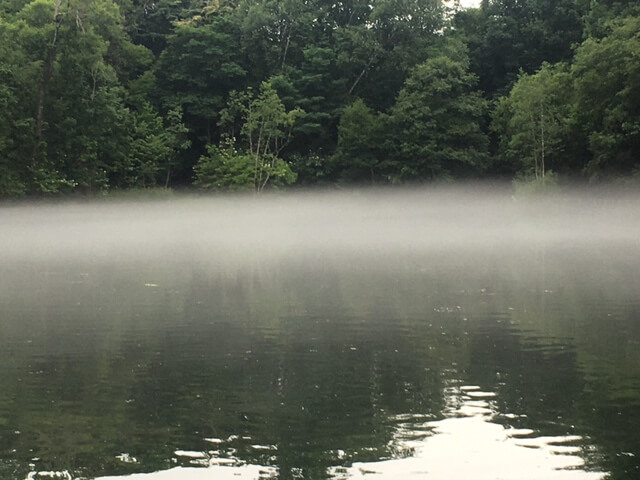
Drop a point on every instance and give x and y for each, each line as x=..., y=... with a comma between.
x=303, y=346
x=468, y=444
x=243, y=472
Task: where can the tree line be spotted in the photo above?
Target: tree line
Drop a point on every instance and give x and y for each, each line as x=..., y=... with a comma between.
x=99, y=95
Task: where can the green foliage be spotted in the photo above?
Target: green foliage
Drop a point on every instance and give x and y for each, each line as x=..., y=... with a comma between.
x=361, y=135
x=86, y=132
x=532, y=121
x=312, y=169
x=273, y=34
x=103, y=94
x=223, y=168
x=315, y=87
x=267, y=125
x=436, y=123
x=377, y=53
x=606, y=77
x=15, y=123
x=604, y=14
x=508, y=36
x=155, y=145
x=265, y=128
x=198, y=69
x=581, y=119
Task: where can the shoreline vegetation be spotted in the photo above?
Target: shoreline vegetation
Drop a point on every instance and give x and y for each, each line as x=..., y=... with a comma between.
x=145, y=99
x=524, y=192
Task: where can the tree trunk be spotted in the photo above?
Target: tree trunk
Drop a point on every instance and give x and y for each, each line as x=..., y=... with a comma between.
x=47, y=75
x=286, y=49
x=362, y=73
x=168, y=178
x=542, y=141
x=42, y=93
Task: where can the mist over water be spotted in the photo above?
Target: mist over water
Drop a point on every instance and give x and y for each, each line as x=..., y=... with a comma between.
x=297, y=224
x=435, y=333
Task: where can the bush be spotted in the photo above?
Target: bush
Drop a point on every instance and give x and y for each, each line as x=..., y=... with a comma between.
x=223, y=168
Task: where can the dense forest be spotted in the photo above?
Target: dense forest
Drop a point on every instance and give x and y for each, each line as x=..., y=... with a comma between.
x=98, y=95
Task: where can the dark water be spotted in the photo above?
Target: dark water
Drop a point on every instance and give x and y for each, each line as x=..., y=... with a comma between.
x=310, y=344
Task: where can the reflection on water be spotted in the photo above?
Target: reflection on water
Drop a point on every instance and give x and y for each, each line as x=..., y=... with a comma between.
x=285, y=343
x=212, y=472
x=468, y=444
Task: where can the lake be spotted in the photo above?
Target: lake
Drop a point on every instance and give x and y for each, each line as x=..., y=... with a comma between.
x=443, y=334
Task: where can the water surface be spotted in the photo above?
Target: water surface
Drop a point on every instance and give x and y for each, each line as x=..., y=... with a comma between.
x=446, y=335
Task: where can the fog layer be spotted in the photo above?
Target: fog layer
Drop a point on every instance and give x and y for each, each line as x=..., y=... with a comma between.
x=305, y=223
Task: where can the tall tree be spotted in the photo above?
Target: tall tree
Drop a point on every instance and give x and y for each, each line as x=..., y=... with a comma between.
x=606, y=76
x=506, y=36
x=360, y=153
x=532, y=121
x=378, y=53
x=600, y=18
x=273, y=33
x=201, y=65
x=76, y=105
x=18, y=75
x=436, y=121
x=314, y=86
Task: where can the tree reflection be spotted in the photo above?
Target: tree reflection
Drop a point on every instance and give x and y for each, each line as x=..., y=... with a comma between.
x=307, y=365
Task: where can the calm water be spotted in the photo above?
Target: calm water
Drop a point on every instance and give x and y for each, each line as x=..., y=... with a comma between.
x=392, y=337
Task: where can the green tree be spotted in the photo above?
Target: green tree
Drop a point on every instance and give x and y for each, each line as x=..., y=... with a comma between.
x=532, y=121
x=507, y=36
x=264, y=128
x=267, y=129
x=150, y=23
x=17, y=82
x=67, y=68
x=155, y=146
x=273, y=34
x=606, y=81
x=377, y=53
x=201, y=65
x=314, y=87
x=224, y=168
x=601, y=17
x=436, y=123
x=360, y=154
